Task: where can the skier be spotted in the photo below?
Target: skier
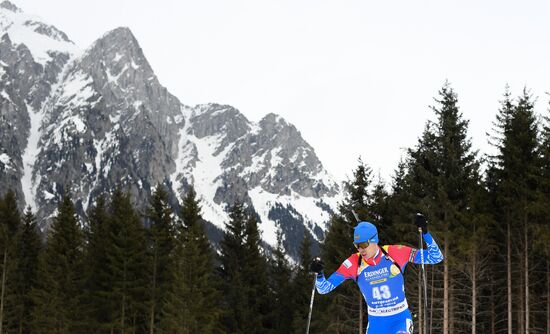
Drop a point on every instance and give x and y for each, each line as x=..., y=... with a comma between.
x=378, y=271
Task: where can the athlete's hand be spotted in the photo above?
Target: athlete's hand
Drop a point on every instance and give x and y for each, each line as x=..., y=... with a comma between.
x=316, y=265
x=421, y=222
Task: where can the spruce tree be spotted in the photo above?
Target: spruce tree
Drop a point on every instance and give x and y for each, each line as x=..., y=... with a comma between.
x=441, y=173
x=160, y=249
x=256, y=281
x=232, y=258
x=193, y=303
x=543, y=206
x=282, y=292
x=458, y=174
x=515, y=190
x=58, y=296
x=245, y=277
x=379, y=210
x=100, y=307
x=28, y=246
x=10, y=221
x=301, y=288
x=125, y=267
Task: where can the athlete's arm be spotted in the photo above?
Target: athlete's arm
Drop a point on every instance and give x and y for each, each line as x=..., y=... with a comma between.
x=432, y=255
x=348, y=270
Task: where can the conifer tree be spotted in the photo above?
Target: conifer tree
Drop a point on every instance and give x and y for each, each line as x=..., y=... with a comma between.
x=193, y=303
x=379, y=210
x=517, y=175
x=441, y=173
x=282, y=293
x=400, y=204
x=244, y=274
x=457, y=178
x=125, y=265
x=301, y=288
x=59, y=292
x=10, y=221
x=99, y=304
x=160, y=249
x=256, y=281
x=28, y=246
x=543, y=229
x=232, y=258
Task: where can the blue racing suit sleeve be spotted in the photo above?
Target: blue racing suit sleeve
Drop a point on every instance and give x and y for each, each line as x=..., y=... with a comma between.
x=432, y=255
x=348, y=270
x=325, y=286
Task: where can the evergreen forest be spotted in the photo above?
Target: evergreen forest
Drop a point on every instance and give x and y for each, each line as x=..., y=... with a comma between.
x=155, y=271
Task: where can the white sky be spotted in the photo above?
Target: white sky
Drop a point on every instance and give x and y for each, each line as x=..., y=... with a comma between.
x=355, y=77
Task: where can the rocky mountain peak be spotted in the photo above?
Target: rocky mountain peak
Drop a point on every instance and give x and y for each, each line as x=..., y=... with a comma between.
x=118, y=46
x=274, y=123
x=118, y=66
x=9, y=6
x=272, y=118
x=99, y=119
x=45, y=42
x=47, y=30
x=215, y=119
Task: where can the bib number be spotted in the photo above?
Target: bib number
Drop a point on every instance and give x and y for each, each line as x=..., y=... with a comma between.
x=381, y=292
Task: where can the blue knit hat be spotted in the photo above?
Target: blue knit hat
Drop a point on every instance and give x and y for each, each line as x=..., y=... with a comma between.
x=365, y=232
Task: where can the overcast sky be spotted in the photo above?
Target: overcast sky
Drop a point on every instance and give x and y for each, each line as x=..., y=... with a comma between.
x=355, y=77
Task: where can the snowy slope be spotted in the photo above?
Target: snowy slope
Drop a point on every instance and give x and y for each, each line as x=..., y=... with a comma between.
x=41, y=38
x=89, y=121
x=267, y=165
x=39, y=52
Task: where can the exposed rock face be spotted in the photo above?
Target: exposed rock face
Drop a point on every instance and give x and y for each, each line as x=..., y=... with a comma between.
x=24, y=86
x=110, y=123
x=267, y=165
x=94, y=120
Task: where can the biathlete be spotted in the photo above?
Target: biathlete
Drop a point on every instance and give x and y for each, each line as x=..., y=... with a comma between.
x=378, y=271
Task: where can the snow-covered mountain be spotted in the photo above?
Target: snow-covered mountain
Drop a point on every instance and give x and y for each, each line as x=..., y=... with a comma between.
x=32, y=54
x=88, y=121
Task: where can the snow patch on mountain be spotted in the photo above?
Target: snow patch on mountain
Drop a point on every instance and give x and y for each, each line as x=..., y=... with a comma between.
x=5, y=96
x=77, y=89
x=309, y=209
x=5, y=160
x=40, y=38
x=184, y=151
x=29, y=156
x=206, y=176
x=256, y=165
x=101, y=166
x=275, y=158
x=117, y=57
x=263, y=202
x=113, y=78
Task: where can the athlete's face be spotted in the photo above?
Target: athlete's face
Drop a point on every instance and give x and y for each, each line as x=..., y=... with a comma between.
x=368, y=251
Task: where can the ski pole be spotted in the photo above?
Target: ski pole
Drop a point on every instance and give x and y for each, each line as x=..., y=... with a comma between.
x=424, y=282
x=311, y=304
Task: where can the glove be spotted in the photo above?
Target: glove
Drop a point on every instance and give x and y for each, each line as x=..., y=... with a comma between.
x=316, y=265
x=421, y=222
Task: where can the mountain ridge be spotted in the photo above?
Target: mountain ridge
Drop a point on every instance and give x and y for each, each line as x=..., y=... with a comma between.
x=103, y=120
